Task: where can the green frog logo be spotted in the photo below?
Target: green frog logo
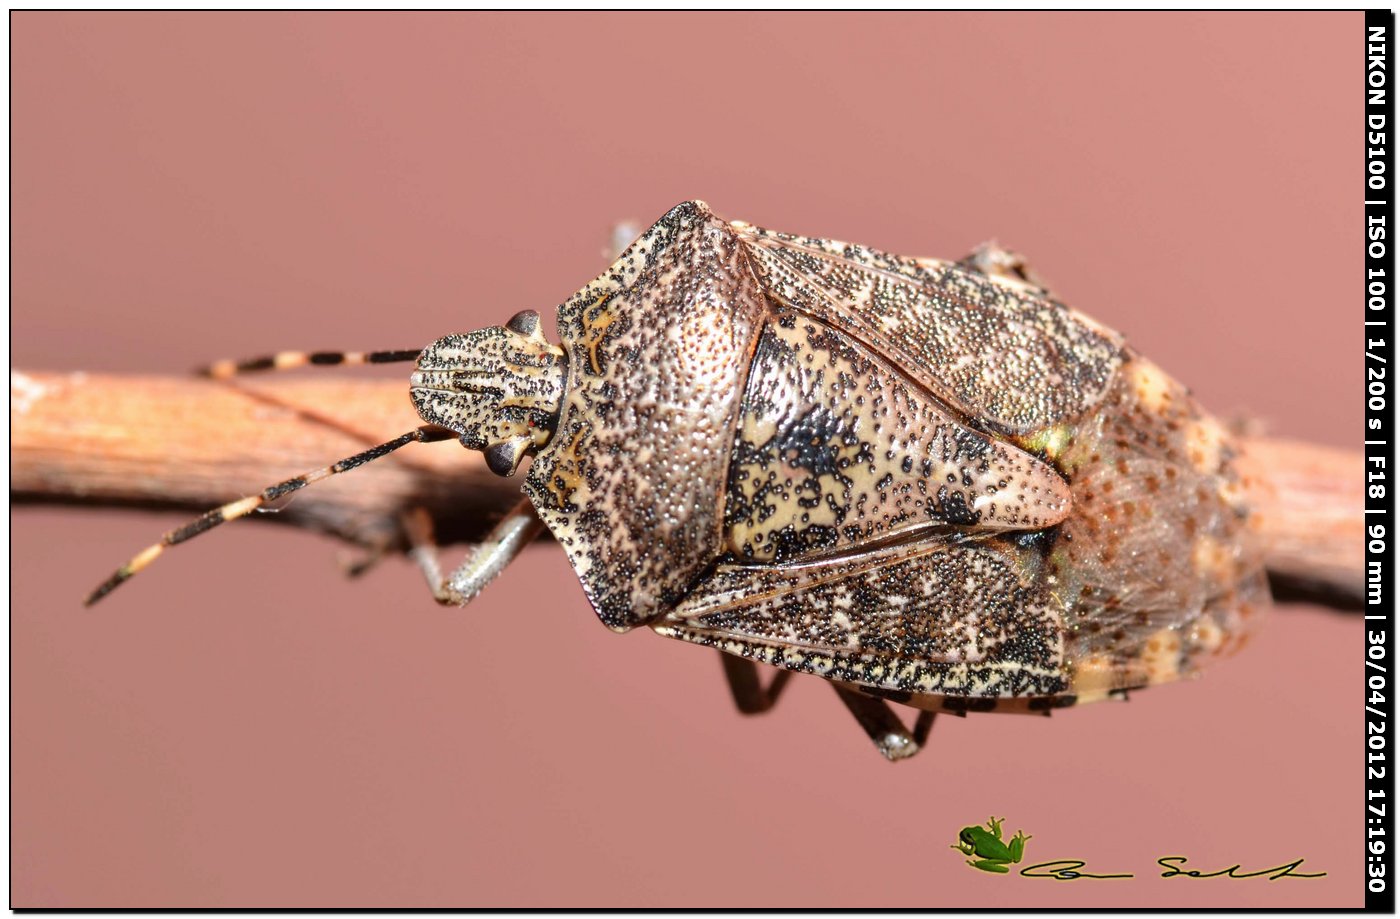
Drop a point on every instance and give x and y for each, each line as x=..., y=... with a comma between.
x=985, y=848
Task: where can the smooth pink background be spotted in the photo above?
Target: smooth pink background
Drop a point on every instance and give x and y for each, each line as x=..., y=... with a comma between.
x=243, y=727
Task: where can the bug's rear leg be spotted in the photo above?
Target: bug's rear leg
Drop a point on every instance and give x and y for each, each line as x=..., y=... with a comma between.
x=751, y=697
x=496, y=550
x=883, y=726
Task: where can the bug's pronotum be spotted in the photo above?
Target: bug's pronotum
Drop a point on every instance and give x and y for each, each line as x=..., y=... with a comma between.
x=926, y=482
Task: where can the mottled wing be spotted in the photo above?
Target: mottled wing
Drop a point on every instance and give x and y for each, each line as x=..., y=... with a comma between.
x=1011, y=360
x=1159, y=567
x=948, y=616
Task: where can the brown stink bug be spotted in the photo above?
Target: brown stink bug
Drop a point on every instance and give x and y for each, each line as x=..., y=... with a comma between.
x=926, y=482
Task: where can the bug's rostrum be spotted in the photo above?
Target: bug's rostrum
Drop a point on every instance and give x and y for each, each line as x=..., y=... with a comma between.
x=499, y=389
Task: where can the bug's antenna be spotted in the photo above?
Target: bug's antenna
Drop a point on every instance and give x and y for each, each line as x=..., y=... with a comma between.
x=244, y=506
x=288, y=360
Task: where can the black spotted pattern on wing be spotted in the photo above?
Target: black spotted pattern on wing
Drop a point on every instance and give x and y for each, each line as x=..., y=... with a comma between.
x=1013, y=361
x=968, y=618
x=835, y=448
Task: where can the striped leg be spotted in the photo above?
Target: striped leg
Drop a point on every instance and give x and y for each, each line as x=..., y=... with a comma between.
x=288, y=360
x=244, y=506
x=497, y=550
x=884, y=727
x=750, y=696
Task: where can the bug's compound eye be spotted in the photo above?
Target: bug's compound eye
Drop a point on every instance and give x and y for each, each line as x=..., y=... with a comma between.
x=504, y=458
x=525, y=322
x=499, y=389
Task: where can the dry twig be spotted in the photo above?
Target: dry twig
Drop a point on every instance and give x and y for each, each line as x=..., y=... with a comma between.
x=188, y=444
x=178, y=443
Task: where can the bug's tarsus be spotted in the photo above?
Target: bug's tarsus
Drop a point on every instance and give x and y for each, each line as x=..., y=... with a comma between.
x=751, y=697
x=288, y=360
x=883, y=726
x=496, y=550
x=244, y=506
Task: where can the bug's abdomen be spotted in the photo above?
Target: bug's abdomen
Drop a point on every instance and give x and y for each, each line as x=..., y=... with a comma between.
x=835, y=449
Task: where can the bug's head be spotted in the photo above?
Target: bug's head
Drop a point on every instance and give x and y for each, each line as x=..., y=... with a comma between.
x=499, y=389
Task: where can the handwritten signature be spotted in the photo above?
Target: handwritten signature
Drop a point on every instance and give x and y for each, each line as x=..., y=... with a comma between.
x=1069, y=869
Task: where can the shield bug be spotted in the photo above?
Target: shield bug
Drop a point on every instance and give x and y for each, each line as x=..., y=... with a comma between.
x=925, y=482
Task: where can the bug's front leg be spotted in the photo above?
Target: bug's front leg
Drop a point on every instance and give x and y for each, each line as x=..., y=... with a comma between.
x=497, y=550
x=751, y=697
x=883, y=726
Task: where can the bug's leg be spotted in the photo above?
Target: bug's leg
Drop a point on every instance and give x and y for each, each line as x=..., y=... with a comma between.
x=288, y=360
x=881, y=724
x=496, y=550
x=922, y=725
x=751, y=697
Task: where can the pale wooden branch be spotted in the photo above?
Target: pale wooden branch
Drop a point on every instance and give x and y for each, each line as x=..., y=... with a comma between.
x=1310, y=516
x=190, y=444
x=162, y=442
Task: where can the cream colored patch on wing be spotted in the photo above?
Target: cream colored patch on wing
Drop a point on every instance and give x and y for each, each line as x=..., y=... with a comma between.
x=1205, y=441
x=1161, y=656
x=1098, y=675
x=1206, y=635
x=1212, y=559
x=1153, y=388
